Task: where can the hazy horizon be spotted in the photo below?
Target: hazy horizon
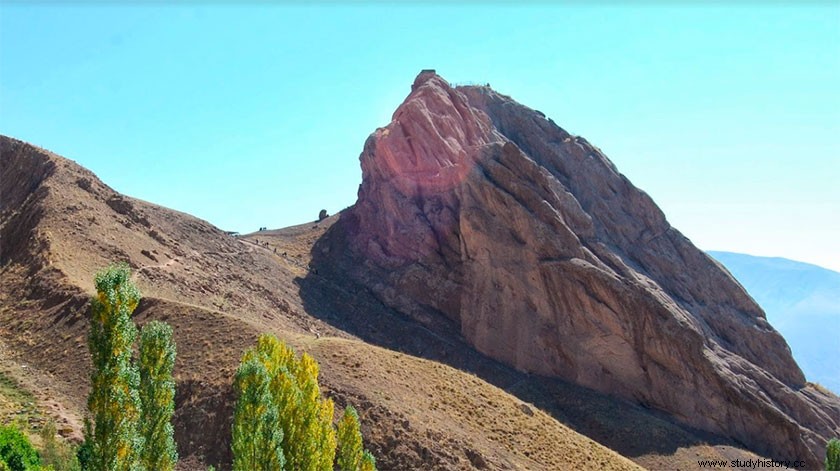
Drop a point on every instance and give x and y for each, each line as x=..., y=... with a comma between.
x=254, y=115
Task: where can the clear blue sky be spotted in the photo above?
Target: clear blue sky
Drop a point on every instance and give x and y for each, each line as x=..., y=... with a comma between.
x=255, y=115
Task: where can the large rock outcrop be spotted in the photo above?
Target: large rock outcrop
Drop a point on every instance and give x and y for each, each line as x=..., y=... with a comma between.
x=479, y=214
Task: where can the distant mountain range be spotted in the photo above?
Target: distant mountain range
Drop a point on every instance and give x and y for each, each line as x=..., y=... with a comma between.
x=802, y=301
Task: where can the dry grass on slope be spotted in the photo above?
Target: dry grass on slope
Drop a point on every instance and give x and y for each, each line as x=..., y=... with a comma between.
x=469, y=423
x=416, y=414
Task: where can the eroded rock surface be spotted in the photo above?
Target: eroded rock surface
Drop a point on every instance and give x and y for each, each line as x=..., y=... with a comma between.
x=479, y=214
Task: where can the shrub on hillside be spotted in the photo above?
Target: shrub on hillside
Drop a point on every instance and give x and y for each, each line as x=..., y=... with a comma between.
x=16, y=453
x=54, y=453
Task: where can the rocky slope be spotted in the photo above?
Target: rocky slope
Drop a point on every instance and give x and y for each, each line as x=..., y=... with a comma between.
x=59, y=224
x=478, y=214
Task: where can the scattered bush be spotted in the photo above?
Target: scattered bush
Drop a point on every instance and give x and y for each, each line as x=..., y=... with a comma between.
x=16, y=453
x=56, y=454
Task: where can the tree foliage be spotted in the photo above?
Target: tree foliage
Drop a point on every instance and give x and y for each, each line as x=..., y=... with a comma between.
x=303, y=416
x=56, y=455
x=349, y=453
x=832, y=455
x=84, y=452
x=256, y=441
x=114, y=402
x=368, y=462
x=16, y=453
x=131, y=405
x=157, y=397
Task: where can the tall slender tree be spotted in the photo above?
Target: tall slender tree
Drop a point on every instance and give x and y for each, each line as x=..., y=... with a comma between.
x=349, y=453
x=257, y=439
x=114, y=402
x=157, y=397
x=832, y=455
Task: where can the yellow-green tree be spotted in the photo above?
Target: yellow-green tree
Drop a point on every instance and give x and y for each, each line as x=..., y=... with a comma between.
x=157, y=397
x=114, y=402
x=368, y=462
x=349, y=454
x=304, y=417
x=277, y=390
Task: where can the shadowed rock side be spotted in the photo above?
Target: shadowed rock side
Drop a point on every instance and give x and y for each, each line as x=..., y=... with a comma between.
x=479, y=214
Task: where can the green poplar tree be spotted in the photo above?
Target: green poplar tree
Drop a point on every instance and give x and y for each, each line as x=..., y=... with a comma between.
x=832, y=455
x=257, y=440
x=349, y=453
x=157, y=397
x=114, y=402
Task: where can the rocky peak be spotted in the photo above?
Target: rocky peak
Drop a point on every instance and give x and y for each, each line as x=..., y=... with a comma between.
x=416, y=162
x=479, y=214
x=429, y=144
x=424, y=76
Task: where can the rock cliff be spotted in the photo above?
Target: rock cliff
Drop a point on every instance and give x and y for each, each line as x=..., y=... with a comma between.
x=479, y=214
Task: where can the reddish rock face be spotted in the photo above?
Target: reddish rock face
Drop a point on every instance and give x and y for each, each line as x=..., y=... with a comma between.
x=479, y=210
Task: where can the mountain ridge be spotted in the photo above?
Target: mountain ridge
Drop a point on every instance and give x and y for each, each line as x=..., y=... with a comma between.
x=61, y=224
x=802, y=300
x=479, y=214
